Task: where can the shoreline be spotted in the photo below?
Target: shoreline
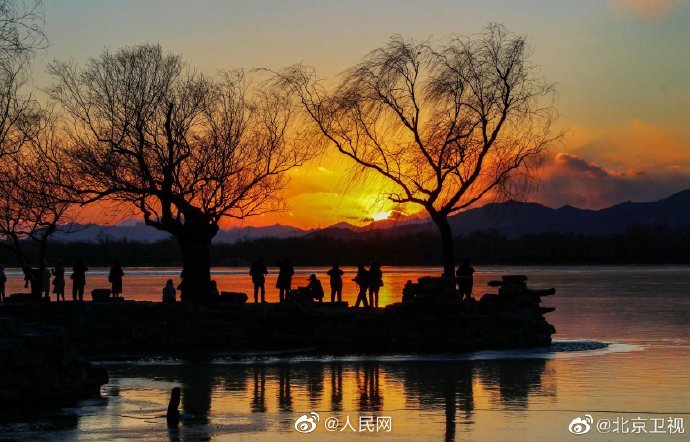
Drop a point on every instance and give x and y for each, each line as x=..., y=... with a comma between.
x=154, y=328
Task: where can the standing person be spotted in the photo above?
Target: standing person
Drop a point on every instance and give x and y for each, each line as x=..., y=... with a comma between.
x=79, y=270
x=258, y=271
x=362, y=280
x=45, y=281
x=59, y=281
x=375, y=283
x=284, y=282
x=336, y=282
x=115, y=278
x=465, y=279
x=3, y=280
x=169, y=293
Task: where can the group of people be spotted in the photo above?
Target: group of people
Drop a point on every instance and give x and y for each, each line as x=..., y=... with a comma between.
x=369, y=281
x=258, y=271
x=39, y=281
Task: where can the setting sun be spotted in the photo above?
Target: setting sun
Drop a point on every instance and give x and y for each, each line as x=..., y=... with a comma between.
x=381, y=215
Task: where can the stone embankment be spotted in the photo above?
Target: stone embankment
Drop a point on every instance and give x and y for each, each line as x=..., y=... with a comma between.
x=432, y=319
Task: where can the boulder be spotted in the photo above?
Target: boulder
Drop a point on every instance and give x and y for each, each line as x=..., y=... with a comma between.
x=233, y=297
x=40, y=365
x=100, y=295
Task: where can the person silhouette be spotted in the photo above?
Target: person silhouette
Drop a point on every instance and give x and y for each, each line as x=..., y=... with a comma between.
x=284, y=282
x=375, y=283
x=465, y=279
x=169, y=294
x=3, y=280
x=115, y=278
x=336, y=282
x=32, y=278
x=45, y=281
x=408, y=293
x=59, y=281
x=362, y=280
x=79, y=270
x=258, y=272
x=314, y=288
x=213, y=289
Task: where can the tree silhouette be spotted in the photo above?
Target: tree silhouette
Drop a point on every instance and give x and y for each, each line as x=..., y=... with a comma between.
x=28, y=209
x=34, y=193
x=187, y=150
x=446, y=125
x=20, y=36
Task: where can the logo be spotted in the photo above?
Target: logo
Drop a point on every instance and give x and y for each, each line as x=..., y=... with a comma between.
x=580, y=425
x=307, y=424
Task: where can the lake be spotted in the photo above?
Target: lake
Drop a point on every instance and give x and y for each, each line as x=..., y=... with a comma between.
x=620, y=363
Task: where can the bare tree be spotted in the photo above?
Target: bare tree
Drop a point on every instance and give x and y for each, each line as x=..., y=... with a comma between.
x=21, y=28
x=187, y=150
x=33, y=204
x=20, y=36
x=446, y=125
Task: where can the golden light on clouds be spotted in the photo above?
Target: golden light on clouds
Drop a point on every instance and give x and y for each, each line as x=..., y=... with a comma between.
x=622, y=69
x=652, y=9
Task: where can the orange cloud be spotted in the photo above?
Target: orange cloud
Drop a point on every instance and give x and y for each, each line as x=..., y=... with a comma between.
x=637, y=144
x=650, y=9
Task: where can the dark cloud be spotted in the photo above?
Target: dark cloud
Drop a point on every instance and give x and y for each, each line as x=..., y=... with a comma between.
x=569, y=179
x=576, y=165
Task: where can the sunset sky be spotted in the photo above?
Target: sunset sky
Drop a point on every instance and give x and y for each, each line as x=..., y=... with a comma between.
x=622, y=69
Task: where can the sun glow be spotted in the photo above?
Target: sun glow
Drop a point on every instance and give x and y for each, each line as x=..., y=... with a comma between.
x=382, y=215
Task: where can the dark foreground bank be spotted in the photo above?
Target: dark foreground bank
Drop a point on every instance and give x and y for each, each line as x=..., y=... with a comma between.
x=424, y=324
x=49, y=339
x=41, y=366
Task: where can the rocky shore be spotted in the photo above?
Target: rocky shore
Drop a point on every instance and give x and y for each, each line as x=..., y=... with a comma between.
x=430, y=320
x=40, y=365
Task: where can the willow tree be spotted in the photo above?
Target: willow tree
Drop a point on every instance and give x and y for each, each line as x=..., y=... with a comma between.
x=447, y=125
x=186, y=150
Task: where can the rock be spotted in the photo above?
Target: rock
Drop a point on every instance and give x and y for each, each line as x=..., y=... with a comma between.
x=100, y=295
x=41, y=366
x=233, y=297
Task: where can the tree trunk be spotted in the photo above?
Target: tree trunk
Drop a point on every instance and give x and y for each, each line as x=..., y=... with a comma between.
x=42, y=261
x=196, y=269
x=441, y=222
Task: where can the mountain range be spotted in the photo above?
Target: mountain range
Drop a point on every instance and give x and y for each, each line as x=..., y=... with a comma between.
x=511, y=218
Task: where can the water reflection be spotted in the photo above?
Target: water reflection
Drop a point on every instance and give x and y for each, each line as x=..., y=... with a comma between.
x=238, y=398
x=370, y=396
x=515, y=382
x=284, y=394
x=336, y=387
x=213, y=392
x=259, y=396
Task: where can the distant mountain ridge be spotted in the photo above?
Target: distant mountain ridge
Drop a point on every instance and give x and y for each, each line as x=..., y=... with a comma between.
x=511, y=218
x=515, y=219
